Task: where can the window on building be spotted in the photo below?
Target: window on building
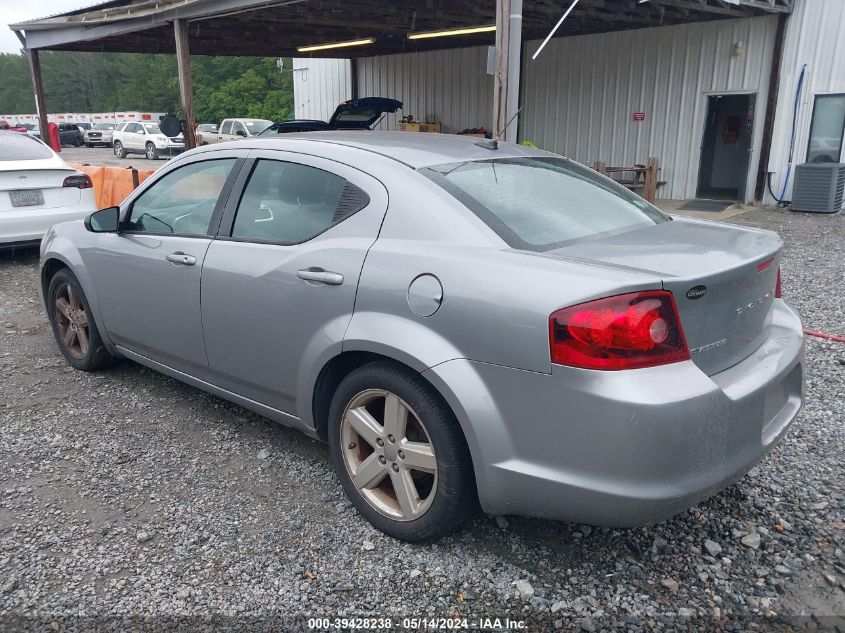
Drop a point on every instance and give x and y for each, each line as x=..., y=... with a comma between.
x=826, y=130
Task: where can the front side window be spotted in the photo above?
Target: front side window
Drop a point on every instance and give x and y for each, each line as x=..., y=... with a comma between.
x=288, y=203
x=542, y=203
x=827, y=129
x=181, y=202
x=237, y=126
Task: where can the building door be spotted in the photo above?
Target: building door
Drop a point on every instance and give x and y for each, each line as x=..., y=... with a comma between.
x=726, y=147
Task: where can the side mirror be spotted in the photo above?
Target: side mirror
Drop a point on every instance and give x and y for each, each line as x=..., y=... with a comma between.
x=104, y=220
x=240, y=133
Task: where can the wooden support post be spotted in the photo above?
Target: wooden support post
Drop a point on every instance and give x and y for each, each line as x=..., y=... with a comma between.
x=186, y=85
x=650, y=183
x=38, y=86
x=500, y=79
x=600, y=166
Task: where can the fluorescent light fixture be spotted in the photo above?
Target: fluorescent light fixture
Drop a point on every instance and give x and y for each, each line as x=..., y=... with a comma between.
x=554, y=30
x=467, y=31
x=325, y=47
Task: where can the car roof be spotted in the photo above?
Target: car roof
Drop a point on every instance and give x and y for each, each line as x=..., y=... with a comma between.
x=415, y=149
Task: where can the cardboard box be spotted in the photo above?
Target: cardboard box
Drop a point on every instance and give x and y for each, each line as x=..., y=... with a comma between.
x=418, y=127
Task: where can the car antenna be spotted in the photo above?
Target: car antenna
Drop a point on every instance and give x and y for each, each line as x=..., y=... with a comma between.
x=493, y=143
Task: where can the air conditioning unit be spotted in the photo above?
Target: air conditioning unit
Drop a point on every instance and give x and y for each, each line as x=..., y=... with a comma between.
x=819, y=187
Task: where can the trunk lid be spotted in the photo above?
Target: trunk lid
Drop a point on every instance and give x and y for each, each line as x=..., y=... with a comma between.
x=48, y=181
x=362, y=113
x=722, y=277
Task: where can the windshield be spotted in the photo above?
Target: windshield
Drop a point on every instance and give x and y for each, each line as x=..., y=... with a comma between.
x=152, y=128
x=17, y=146
x=104, y=126
x=542, y=203
x=257, y=125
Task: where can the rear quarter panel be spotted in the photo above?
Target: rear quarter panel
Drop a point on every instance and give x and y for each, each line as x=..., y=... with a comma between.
x=496, y=301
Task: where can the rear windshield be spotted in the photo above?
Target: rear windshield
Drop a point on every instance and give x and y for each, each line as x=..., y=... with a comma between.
x=20, y=146
x=543, y=203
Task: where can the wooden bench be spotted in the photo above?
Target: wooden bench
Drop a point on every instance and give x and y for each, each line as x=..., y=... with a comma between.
x=640, y=178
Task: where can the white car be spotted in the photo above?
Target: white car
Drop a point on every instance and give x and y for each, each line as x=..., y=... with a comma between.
x=146, y=139
x=37, y=190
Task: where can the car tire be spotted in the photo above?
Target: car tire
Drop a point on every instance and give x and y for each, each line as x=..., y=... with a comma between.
x=119, y=150
x=89, y=145
x=77, y=143
x=73, y=324
x=151, y=151
x=434, y=469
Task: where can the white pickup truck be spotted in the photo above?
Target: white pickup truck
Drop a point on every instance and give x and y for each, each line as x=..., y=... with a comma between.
x=234, y=129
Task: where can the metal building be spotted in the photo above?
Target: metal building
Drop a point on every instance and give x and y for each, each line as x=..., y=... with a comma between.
x=695, y=95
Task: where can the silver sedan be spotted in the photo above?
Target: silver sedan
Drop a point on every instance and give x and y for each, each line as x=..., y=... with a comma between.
x=464, y=322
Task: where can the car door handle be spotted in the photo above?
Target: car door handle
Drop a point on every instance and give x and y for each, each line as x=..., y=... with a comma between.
x=321, y=276
x=181, y=258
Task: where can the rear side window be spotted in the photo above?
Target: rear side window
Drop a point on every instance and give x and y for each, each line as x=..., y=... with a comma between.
x=542, y=203
x=17, y=146
x=288, y=203
x=227, y=127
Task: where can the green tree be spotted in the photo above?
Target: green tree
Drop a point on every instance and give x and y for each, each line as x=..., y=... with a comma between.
x=104, y=82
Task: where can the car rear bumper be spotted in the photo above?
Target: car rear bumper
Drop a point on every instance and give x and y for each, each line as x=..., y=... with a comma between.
x=623, y=448
x=29, y=225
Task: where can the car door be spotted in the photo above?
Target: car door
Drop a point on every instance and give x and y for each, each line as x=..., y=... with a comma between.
x=238, y=131
x=148, y=274
x=225, y=131
x=130, y=136
x=279, y=282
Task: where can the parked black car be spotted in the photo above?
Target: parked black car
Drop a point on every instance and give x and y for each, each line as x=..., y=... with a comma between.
x=70, y=134
x=355, y=114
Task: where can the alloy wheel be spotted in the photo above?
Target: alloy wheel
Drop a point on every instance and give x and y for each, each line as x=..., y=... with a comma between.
x=71, y=320
x=388, y=454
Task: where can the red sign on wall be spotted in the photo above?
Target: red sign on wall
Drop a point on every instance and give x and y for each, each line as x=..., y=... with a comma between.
x=639, y=116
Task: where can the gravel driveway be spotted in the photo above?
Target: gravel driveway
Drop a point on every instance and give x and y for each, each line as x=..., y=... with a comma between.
x=125, y=493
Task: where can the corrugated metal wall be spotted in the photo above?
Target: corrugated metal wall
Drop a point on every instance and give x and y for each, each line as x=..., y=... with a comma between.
x=451, y=86
x=580, y=94
x=319, y=85
x=815, y=36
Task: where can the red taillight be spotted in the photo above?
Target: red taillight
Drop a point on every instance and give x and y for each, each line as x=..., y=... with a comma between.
x=778, y=294
x=640, y=329
x=765, y=265
x=80, y=181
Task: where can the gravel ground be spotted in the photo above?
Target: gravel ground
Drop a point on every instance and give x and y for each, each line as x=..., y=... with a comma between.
x=125, y=494
x=105, y=156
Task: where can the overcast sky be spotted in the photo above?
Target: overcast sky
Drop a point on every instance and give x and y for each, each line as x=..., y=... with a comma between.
x=12, y=11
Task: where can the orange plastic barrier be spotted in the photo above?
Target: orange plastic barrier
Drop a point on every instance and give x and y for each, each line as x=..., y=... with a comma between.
x=113, y=184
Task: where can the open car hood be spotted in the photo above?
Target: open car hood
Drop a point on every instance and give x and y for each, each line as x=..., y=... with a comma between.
x=361, y=113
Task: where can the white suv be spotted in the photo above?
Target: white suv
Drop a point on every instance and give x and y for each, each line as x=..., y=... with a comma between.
x=145, y=138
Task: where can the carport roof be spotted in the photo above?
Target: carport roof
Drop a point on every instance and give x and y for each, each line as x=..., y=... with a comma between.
x=275, y=28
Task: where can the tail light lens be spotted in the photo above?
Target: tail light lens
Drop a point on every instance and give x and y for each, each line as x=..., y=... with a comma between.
x=778, y=293
x=80, y=181
x=630, y=331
